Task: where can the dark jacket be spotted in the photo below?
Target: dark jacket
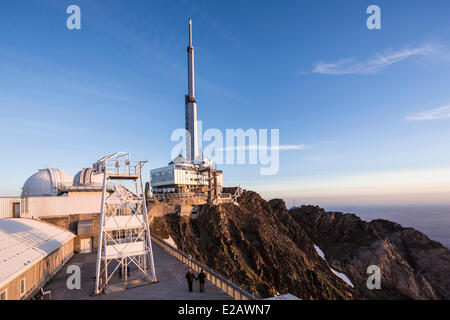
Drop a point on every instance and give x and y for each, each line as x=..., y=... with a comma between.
x=190, y=276
x=202, y=277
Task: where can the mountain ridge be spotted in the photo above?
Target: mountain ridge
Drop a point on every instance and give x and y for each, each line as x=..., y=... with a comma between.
x=270, y=250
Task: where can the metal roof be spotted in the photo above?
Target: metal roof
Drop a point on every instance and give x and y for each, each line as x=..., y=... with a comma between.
x=24, y=242
x=180, y=161
x=87, y=177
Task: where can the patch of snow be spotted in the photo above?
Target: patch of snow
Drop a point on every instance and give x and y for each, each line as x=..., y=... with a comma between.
x=287, y=296
x=171, y=242
x=343, y=277
x=340, y=275
x=319, y=252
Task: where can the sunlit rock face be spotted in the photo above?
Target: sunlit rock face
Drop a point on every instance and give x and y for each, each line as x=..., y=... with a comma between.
x=412, y=266
x=270, y=250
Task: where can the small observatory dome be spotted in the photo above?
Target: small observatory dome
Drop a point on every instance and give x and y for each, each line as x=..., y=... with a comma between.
x=203, y=162
x=180, y=161
x=45, y=182
x=87, y=177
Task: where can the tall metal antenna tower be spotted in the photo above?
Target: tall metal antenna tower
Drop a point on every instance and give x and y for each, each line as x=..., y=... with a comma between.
x=124, y=240
x=191, y=105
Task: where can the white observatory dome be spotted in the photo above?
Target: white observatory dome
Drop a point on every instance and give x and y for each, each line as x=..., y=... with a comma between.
x=87, y=177
x=45, y=182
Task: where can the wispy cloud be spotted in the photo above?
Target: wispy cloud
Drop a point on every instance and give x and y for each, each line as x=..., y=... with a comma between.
x=431, y=114
x=374, y=65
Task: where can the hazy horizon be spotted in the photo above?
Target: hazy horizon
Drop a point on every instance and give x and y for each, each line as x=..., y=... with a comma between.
x=430, y=219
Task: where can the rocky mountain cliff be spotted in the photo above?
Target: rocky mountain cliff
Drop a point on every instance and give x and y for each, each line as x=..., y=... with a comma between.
x=412, y=266
x=268, y=249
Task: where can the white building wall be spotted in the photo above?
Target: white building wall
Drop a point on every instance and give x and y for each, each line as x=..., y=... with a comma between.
x=74, y=203
x=85, y=202
x=190, y=177
x=6, y=206
x=220, y=179
x=44, y=206
x=171, y=175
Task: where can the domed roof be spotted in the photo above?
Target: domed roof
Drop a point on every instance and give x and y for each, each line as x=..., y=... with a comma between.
x=180, y=161
x=203, y=162
x=86, y=177
x=45, y=182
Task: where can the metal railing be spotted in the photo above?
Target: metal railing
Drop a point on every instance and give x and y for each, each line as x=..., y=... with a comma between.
x=187, y=195
x=213, y=276
x=122, y=167
x=178, y=195
x=68, y=185
x=118, y=164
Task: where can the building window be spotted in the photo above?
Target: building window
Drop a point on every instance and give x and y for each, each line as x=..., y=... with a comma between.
x=22, y=286
x=4, y=295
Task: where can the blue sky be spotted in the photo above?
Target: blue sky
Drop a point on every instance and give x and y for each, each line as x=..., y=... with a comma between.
x=371, y=105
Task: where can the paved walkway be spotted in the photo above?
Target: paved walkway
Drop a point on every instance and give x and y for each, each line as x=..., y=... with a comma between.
x=171, y=286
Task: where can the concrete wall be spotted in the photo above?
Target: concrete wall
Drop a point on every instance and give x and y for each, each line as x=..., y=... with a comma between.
x=85, y=202
x=95, y=218
x=161, y=209
x=70, y=223
x=183, y=208
x=39, y=273
x=172, y=200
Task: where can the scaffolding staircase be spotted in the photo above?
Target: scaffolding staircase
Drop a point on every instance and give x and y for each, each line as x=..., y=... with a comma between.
x=124, y=241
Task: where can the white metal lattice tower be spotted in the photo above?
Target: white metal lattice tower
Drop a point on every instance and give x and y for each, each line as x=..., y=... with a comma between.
x=124, y=236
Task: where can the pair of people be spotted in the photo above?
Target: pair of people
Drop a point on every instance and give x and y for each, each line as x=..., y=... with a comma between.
x=201, y=278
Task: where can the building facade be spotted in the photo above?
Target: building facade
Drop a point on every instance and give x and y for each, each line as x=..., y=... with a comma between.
x=182, y=177
x=9, y=207
x=32, y=252
x=53, y=196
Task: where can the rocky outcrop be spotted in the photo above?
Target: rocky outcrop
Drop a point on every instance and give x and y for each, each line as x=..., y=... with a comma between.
x=412, y=266
x=258, y=245
x=268, y=250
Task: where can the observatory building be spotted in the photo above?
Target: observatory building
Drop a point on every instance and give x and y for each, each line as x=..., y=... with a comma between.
x=183, y=177
x=55, y=216
x=192, y=175
x=105, y=209
x=54, y=196
x=32, y=252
